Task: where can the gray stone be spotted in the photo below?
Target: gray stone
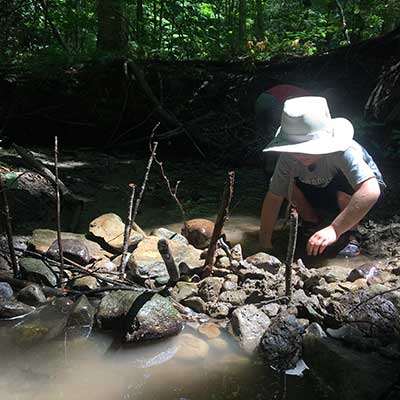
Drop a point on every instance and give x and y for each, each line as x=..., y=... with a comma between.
x=73, y=249
x=219, y=310
x=183, y=290
x=367, y=271
x=229, y=285
x=251, y=273
x=266, y=262
x=248, y=324
x=271, y=310
x=43, y=238
x=156, y=319
x=316, y=330
x=6, y=291
x=210, y=288
x=223, y=262
x=35, y=270
x=12, y=309
x=32, y=295
x=234, y=297
x=167, y=234
x=80, y=321
x=195, y=303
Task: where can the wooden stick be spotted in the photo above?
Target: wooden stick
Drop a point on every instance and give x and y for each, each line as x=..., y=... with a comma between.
x=294, y=223
x=127, y=232
x=219, y=223
x=58, y=211
x=6, y=218
x=172, y=268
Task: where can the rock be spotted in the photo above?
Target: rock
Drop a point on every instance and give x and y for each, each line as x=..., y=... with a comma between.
x=146, y=262
x=157, y=318
x=191, y=348
x=350, y=374
x=73, y=249
x=210, y=288
x=114, y=307
x=167, y=234
x=210, y=330
x=271, y=310
x=251, y=273
x=87, y=282
x=358, y=284
x=32, y=295
x=107, y=266
x=80, y=321
x=109, y=228
x=365, y=271
x=35, y=270
x=42, y=239
x=221, y=272
x=332, y=273
x=315, y=330
x=266, y=262
x=195, y=303
x=234, y=297
x=219, y=345
x=237, y=253
x=229, y=285
x=183, y=290
x=12, y=309
x=219, y=310
x=223, y=262
x=6, y=291
x=281, y=343
x=45, y=323
x=248, y=324
x=198, y=232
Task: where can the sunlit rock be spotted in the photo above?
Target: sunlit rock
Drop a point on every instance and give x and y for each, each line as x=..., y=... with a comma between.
x=109, y=228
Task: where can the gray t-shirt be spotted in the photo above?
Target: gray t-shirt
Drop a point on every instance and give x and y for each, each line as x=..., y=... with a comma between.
x=355, y=163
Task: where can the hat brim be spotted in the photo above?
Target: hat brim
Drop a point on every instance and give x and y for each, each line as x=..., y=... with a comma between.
x=340, y=140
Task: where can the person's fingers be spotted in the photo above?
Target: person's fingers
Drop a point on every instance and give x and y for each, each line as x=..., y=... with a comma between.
x=323, y=246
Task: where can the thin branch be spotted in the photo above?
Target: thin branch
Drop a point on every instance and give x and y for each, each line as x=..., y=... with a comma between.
x=58, y=211
x=6, y=218
x=219, y=223
x=294, y=223
x=127, y=233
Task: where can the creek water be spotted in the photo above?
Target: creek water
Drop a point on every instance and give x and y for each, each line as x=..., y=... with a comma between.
x=83, y=369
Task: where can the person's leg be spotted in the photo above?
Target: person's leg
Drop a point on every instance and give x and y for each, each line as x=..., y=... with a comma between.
x=303, y=206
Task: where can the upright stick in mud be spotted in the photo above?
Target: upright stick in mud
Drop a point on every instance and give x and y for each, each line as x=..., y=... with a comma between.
x=127, y=232
x=294, y=222
x=219, y=223
x=58, y=205
x=6, y=218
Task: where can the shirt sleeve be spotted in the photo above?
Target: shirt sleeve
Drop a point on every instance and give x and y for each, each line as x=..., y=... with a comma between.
x=351, y=162
x=279, y=183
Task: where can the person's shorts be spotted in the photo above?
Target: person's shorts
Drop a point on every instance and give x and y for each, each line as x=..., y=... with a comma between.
x=325, y=199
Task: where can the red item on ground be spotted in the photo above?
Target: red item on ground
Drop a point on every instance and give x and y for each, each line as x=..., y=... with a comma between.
x=284, y=92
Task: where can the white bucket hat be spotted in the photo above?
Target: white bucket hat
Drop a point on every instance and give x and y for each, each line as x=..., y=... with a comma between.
x=307, y=127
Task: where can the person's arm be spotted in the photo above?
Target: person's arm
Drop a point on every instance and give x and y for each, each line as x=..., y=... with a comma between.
x=365, y=196
x=269, y=215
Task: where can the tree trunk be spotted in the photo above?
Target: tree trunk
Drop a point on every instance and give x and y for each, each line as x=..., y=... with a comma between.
x=242, y=23
x=259, y=28
x=111, y=34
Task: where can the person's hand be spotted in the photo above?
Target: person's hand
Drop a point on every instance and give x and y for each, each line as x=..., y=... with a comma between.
x=321, y=240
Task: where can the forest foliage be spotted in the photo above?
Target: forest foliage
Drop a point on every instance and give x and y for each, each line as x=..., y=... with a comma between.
x=71, y=30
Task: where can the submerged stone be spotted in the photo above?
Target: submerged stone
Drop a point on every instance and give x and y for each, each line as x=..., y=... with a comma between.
x=12, y=309
x=45, y=323
x=80, y=321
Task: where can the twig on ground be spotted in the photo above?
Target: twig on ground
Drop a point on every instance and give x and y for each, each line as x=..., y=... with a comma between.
x=6, y=218
x=58, y=214
x=219, y=223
